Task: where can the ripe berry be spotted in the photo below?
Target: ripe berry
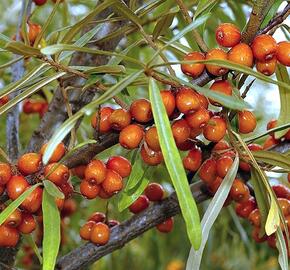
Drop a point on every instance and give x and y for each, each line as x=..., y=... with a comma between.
x=216, y=54
x=285, y=206
x=86, y=230
x=180, y=130
x=131, y=136
x=33, y=202
x=215, y=130
x=271, y=240
x=57, y=154
x=282, y=191
x=195, y=132
x=151, y=157
x=120, y=165
x=28, y=223
x=29, y=163
x=113, y=182
x=268, y=67
x=103, y=125
x=112, y=223
x=243, y=209
x=103, y=194
x=193, y=70
x=14, y=219
x=245, y=165
x=193, y=159
x=264, y=47
x=141, y=111
x=186, y=146
x=221, y=145
x=256, y=235
x=168, y=100
x=224, y=164
x=227, y=35
x=166, y=226
x=270, y=142
x=152, y=140
x=56, y=173
x=214, y=186
x=187, y=100
x=97, y=217
x=5, y=173
x=154, y=192
x=39, y=2
x=95, y=172
x=246, y=122
x=79, y=171
x=203, y=101
x=33, y=31
x=100, y=234
x=8, y=236
x=16, y=186
x=67, y=189
x=139, y=205
x=239, y=191
x=59, y=203
x=120, y=119
x=241, y=54
x=4, y=100
x=221, y=86
x=283, y=53
x=255, y=218
x=208, y=171
x=197, y=119
x=89, y=190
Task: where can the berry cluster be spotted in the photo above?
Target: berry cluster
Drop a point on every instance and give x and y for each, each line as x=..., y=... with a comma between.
x=31, y=106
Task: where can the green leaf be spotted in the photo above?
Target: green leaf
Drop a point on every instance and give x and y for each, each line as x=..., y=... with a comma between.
x=211, y=214
x=174, y=166
x=106, y=69
x=283, y=254
x=10, y=63
x=22, y=49
x=68, y=125
x=12, y=206
x=52, y=189
x=31, y=242
x=273, y=158
x=51, y=231
x=273, y=219
x=284, y=116
x=271, y=13
x=204, y=5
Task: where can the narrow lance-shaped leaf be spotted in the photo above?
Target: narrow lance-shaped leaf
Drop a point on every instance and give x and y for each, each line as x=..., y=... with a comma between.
x=282, y=247
x=273, y=158
x=174, y=166
x=211, y=214
x=22, y=49
x=204, y=5
x=51, y=231
x=52, y=189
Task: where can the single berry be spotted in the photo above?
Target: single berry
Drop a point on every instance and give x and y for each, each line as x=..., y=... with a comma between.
x=5, y=173
x=221, y=145
x=203, y=101
x=154, y=192
x=283, y=53
x=9, y=237
x=214, y=186
x=215, y=130
x=268, y=68
x=100, y=234
x=255, y=218
x=57, y=154
x=33, y=31
x=194, y=69
x=28, y=223
x=243, y=209
x=270, y=142
x=241, y=54
x=256, y=235
x=282, y=191
x=33, y=202
x=264, y=47
x=97, y=217
x=16, y=186
x=152, y=140
x=195, y=132
x=139, y=205
x=100, y=121
x=39, y=2
x=208, y=171
x=285, y=206
x=131, y=136
x=187, y=100
x=67, y=189
x=180, y=130
x=168, y=100
x=103, y=194
x=112, y=223
x=79, y=171
x=221, y=86
x=86, y=230
x=14, y=219
x=166, y=226
x=120, y=165
x=224, y=164
x=151, y=157
x=216, y=54
x=141, y=111
x=89, y=190
x=197, y=119
x=57, y=173
x=120, y=119
x=113, y=182
x=29, y=163
x=193, y=160
x=246, y=122
x=227, y=35
x=95, y=172
x=186, y=146
x=239, y=191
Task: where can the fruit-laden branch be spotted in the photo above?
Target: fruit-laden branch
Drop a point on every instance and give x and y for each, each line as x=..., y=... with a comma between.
x=127, y=231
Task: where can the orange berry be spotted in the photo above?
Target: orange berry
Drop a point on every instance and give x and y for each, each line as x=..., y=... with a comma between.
x=57, y=154
x=86, y=230
x=246, y=122
x=14, y=219
x=221, y=145
x=29, y=163
x=256, y=235
x=33, y=202
x=227, y=35
x=283, y=53
x=95, y=172
x=120, y=119
x=166, y=226
x=221, y=86
x=79, y=171
x=239, y=191
x=168, y=100
x=203, y=101
x=208, y=171
x=113, y=182
x=270, y=142
x=194, y=132
x=131, y=136
x=4, y=100
x=33, y=31
x=100, y=234
x=89, y=190
x=67, y=189
x=268, y=68
x=214, y=186
x=97, y=217
x=255, y=218
x=282, y=191
x=59, y=203
x=243, y=209
x=215, y=130
x=272, y=124
x=197, y=119
x=120, y=165
x=285, y=206
x=139, y=205
x=193, y=159
x=16, y=186
x=103, y=194
x=187, y=100
x=5, y=173
x=216, y=54
x=141, y=110
x=224, y=164
x=28, y=223
x=103, y=124
x=154, y=192
x=151, y=157
x=9, y=237
x=152, y=140
x=180, y=130
x=56, y=173
x=264, y=47
x=241, y=54
x=193, y=70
